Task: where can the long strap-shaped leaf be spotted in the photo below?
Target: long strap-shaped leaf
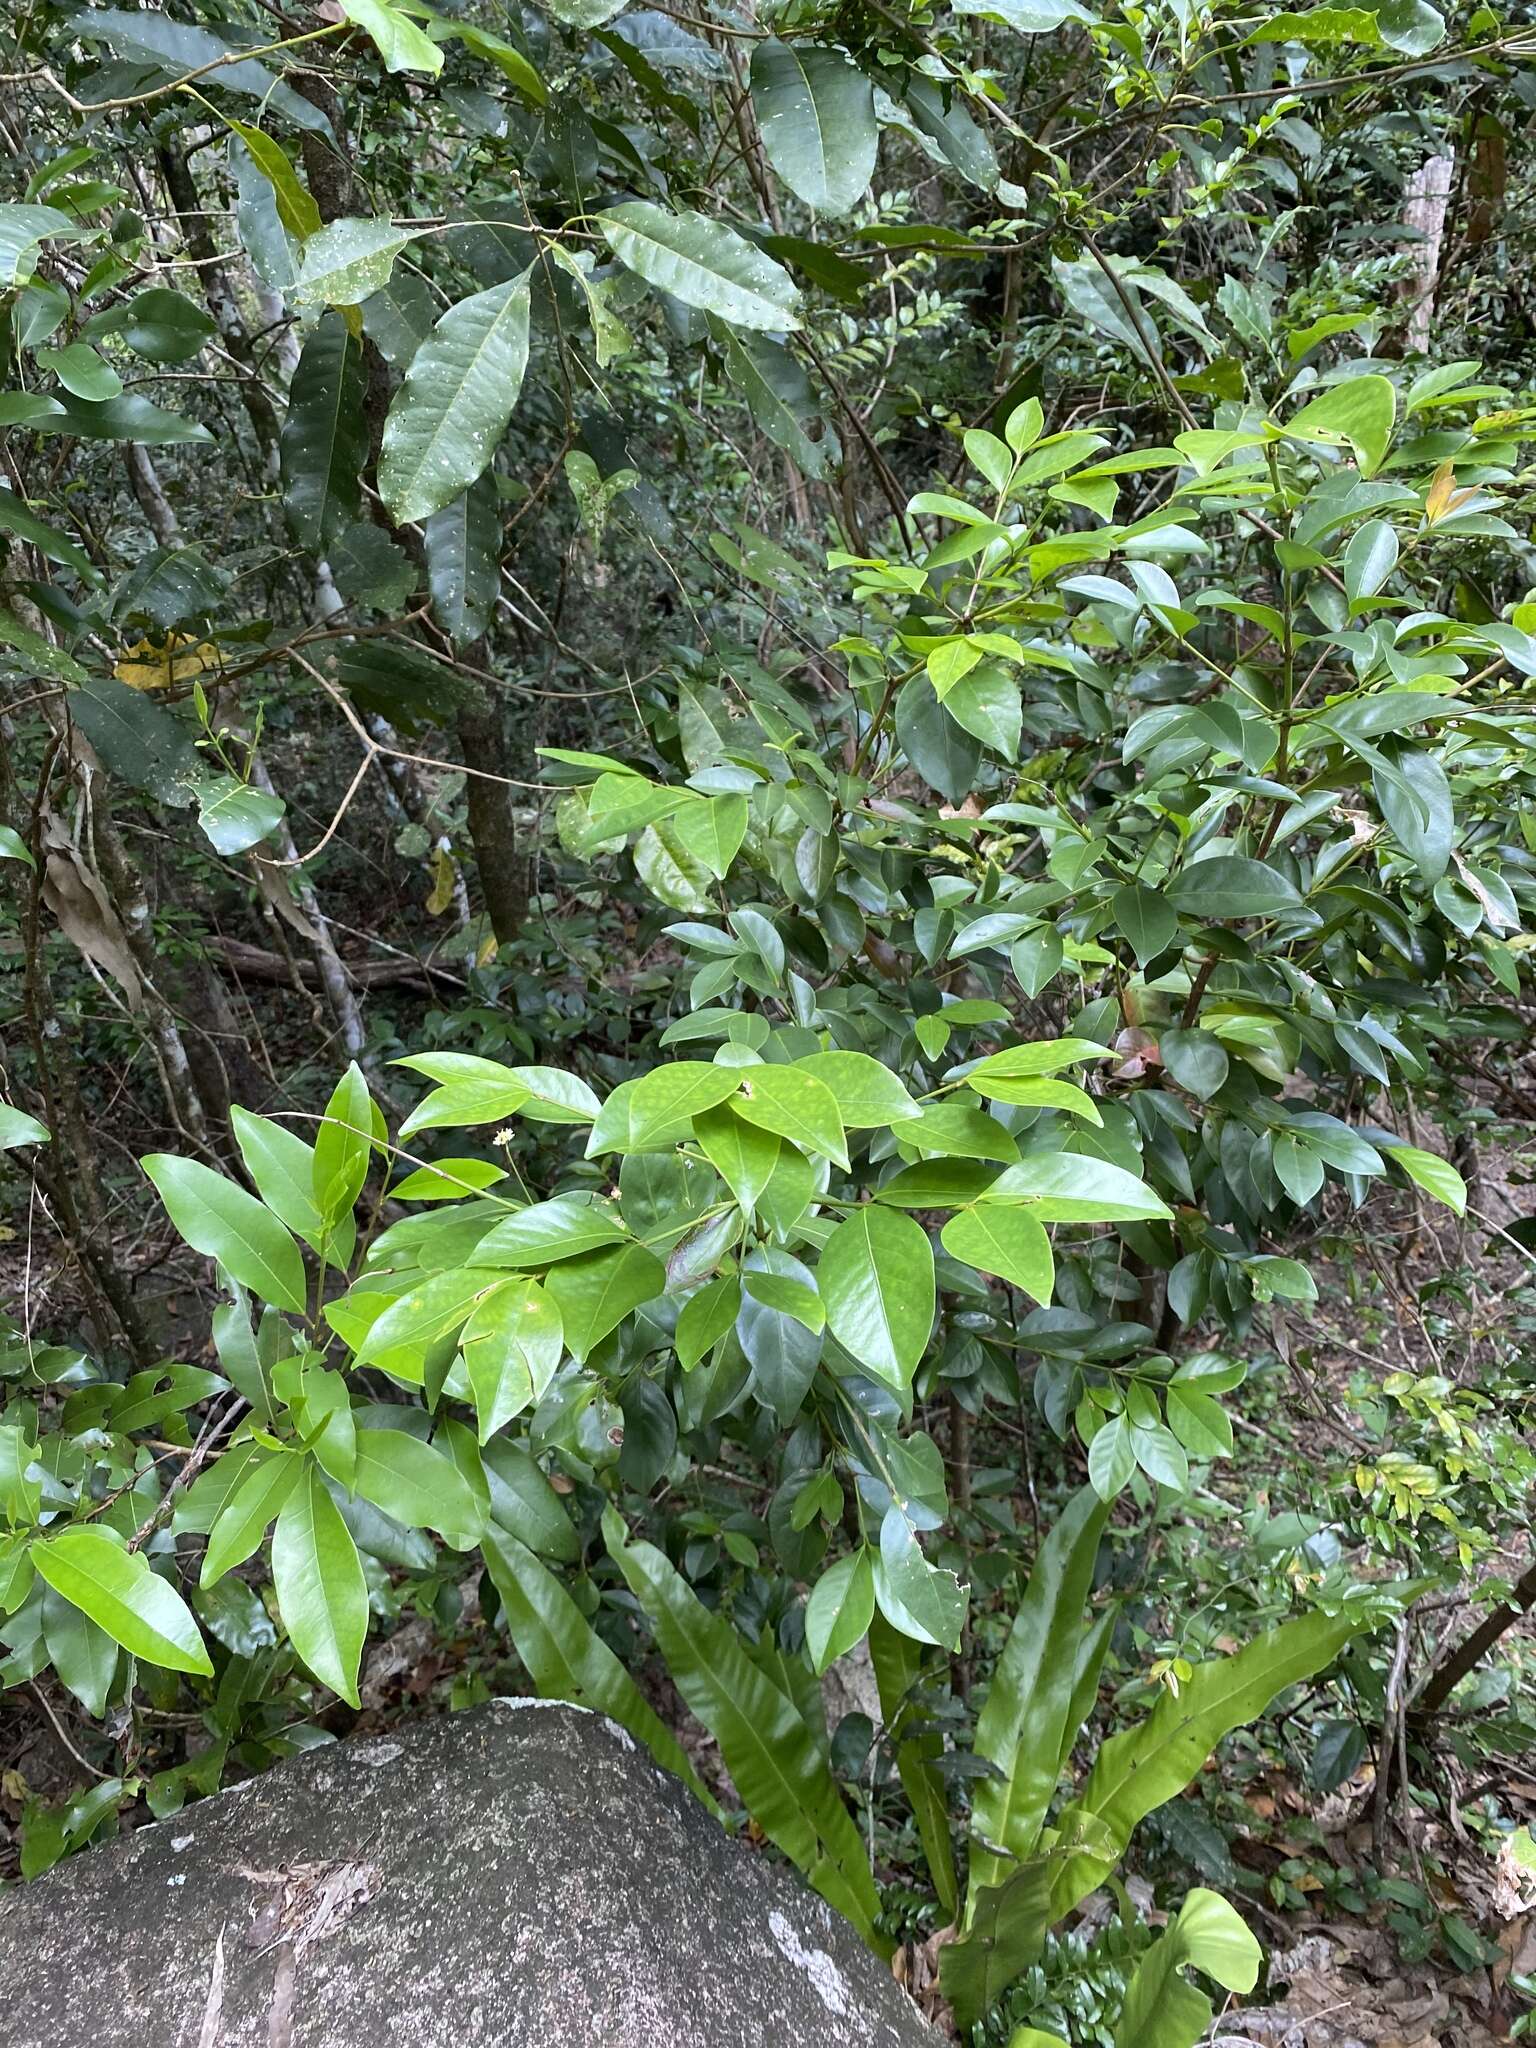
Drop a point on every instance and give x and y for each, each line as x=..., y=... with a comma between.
x=770, y=1753
x=1152, y=1763
x=897, y=1659
x=1023, y=1726
x=568, y=1660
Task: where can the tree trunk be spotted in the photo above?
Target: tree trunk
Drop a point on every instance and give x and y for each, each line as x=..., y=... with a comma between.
x=499, y=857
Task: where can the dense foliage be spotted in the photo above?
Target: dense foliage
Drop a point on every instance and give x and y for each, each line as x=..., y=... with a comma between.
x=893, y=647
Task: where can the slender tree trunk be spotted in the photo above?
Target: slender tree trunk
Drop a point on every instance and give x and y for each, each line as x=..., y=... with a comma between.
x=1471, y=1651
x=500, y=857
x=1426, y=198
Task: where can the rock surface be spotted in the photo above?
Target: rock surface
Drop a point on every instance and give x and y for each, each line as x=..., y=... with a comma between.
x=521, y=1874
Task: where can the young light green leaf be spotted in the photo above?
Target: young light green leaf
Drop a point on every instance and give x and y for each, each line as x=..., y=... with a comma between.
x=511, y=1347
x=225, y=1223
x=321, y=1592
x=1007, y=1242
x=839, y=1610
x=246, y=1515
x=1161, y=2009
x=116, y=1589
x=1429, y=1171
x=398, y=40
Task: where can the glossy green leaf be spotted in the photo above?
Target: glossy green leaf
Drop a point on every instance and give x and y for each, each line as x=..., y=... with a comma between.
x=741, y=1153
x=839, y=1610
x=511, y=1347
x=1358, y=414
x=703, y=263
x=116, y=1589
x=564, y=1227
x=343, y=1144
x=282, y=1166
x=593, y=1294
x=1435, y=1175
x=1144, y=1766
x=417, y=1484
x=325, y=435
x=1163, y=2010
x=1007, y=1242
x=321, y=1592
x=868, y=1095
x=568, y=1660
x=1068, y=1187
x=876, y=1279
x=398, y=40
x=794, y=1104
x=347, y=262
x=816, y=113
x=452, y=410
x=17, y=1128
x=463, y=545
x=1148, y=919
x=1025, y=1723
x=248, y=1513
x=225, y=1223
x=1228, y=886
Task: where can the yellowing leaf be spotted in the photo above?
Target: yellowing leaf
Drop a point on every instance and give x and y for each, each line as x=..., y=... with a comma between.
x=156, y=664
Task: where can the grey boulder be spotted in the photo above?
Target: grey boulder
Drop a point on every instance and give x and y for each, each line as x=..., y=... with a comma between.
x=521, y=1874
